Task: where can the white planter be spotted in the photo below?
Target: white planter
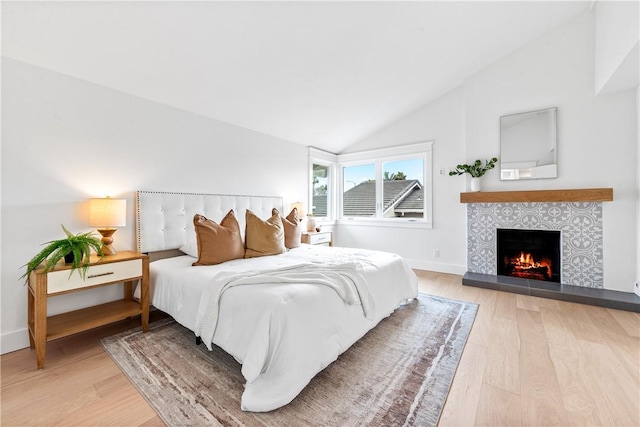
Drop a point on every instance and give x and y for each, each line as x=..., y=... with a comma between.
x=476, y=184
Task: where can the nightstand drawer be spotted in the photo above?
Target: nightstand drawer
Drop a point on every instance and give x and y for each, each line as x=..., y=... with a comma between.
x=317, y=238
x=59, y=281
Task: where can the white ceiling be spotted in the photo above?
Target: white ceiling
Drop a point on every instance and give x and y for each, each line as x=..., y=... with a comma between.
x=325, y=74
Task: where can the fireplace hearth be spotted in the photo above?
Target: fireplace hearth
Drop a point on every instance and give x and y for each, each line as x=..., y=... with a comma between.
x=529, y=254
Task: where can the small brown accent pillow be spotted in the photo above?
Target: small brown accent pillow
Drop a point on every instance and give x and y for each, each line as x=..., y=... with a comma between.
x=292, y=228
x=264, y=238
x=218, y=243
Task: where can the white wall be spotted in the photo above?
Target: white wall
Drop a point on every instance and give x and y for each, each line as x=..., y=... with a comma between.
x=617, y=67
x=597, y=146
x=616, y=45
x=66, y=140
x=442, y=122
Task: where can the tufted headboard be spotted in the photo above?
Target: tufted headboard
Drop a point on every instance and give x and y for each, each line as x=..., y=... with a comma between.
x=164, y=221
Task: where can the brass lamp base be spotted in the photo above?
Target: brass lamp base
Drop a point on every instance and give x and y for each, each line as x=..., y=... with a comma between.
x=107, y=240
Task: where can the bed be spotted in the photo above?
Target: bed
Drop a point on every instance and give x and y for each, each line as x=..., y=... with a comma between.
x=283, y=317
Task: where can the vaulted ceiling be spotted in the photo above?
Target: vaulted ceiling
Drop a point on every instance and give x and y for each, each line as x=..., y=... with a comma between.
x=325, y=74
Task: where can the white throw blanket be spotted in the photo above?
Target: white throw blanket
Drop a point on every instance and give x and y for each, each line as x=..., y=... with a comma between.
x=340, y=274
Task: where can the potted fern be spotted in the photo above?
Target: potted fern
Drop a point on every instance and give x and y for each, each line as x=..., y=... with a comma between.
x=75, y=249
x=476, y=170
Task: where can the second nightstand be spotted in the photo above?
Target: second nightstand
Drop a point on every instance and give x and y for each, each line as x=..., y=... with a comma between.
x=323, y=238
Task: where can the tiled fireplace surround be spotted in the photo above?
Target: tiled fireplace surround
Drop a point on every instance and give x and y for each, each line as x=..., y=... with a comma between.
x=577, y=214
x=580, y=224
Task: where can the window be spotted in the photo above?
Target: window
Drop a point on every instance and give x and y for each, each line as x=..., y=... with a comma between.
x=381, y=187
x=403, y=188
x=389, y=185
x=320, y=190
x=358, y=190
x=322, y=172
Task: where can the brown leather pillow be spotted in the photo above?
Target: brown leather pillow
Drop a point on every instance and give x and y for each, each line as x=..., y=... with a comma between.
x=264, y=238
x=292, y=229
x=218, y=243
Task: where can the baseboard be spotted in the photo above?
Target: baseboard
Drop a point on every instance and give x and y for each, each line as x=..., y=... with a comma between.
x=12, y=341
x=437, y=266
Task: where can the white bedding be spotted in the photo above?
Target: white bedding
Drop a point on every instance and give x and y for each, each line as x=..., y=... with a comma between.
x=283, y=334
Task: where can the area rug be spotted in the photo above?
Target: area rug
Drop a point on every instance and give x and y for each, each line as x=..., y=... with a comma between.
x=399, y=373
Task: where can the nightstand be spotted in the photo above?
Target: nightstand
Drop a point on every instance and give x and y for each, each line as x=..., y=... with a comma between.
x=124, y=267
x=323, y=238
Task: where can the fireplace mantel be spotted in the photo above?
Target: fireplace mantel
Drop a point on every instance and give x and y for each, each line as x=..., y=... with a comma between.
x=574, y=195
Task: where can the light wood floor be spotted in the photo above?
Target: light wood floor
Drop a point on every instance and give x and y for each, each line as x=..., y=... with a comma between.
x=528, y=361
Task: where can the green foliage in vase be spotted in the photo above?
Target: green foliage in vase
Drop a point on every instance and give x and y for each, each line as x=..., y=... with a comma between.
x=476, y=170
x=79, y=245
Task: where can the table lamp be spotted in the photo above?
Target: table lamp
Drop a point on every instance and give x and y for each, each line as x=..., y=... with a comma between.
x=105, y=214
x=300, y=207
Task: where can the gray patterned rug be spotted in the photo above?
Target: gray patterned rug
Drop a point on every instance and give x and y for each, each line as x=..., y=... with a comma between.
x=397, y=374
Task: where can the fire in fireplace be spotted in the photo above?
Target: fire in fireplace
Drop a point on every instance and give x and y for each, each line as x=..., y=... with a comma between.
x=529, y=254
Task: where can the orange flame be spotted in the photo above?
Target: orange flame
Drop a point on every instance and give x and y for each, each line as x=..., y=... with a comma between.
x=526, y=262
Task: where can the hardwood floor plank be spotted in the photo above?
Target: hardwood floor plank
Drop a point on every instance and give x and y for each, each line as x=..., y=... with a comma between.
x=616, y=393
x=540, y=391
x=498, y=408
x=631, y=324
x=116, y=409
x=483, y=324
x=564, y=348
x=503, y=356
x=578, y=318
x=526, y=302
x=466, y=388
x=153, y=422
x=625, y=347
x=506, y=305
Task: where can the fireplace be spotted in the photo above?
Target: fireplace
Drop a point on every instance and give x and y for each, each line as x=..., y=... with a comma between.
x=576, y=253
x=529, y=254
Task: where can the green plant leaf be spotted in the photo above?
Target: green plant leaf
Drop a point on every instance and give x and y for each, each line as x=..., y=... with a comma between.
x=476, y=169
x=67, y=232
x=80, y=245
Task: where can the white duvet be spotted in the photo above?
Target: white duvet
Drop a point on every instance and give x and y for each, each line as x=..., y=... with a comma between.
x=283, y=317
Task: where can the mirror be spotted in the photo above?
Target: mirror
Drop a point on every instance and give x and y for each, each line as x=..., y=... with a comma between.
x=528, y=145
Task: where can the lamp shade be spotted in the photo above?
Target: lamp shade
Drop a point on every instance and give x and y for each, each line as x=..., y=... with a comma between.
x=300, y=207
x=107, y=212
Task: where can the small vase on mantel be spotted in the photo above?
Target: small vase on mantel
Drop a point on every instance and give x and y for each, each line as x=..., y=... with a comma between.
x=476, y=184
x=476, y=170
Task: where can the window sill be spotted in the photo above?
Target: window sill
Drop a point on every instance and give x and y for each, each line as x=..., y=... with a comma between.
x=399, y=223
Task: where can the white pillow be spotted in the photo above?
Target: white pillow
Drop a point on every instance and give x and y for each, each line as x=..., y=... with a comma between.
x=191, y=246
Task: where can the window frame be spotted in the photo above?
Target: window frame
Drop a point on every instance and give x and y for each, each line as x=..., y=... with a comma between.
x=378, y=157
x=323, y=158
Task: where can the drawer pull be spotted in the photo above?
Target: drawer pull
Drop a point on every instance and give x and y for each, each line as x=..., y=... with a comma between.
x=91, y=276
